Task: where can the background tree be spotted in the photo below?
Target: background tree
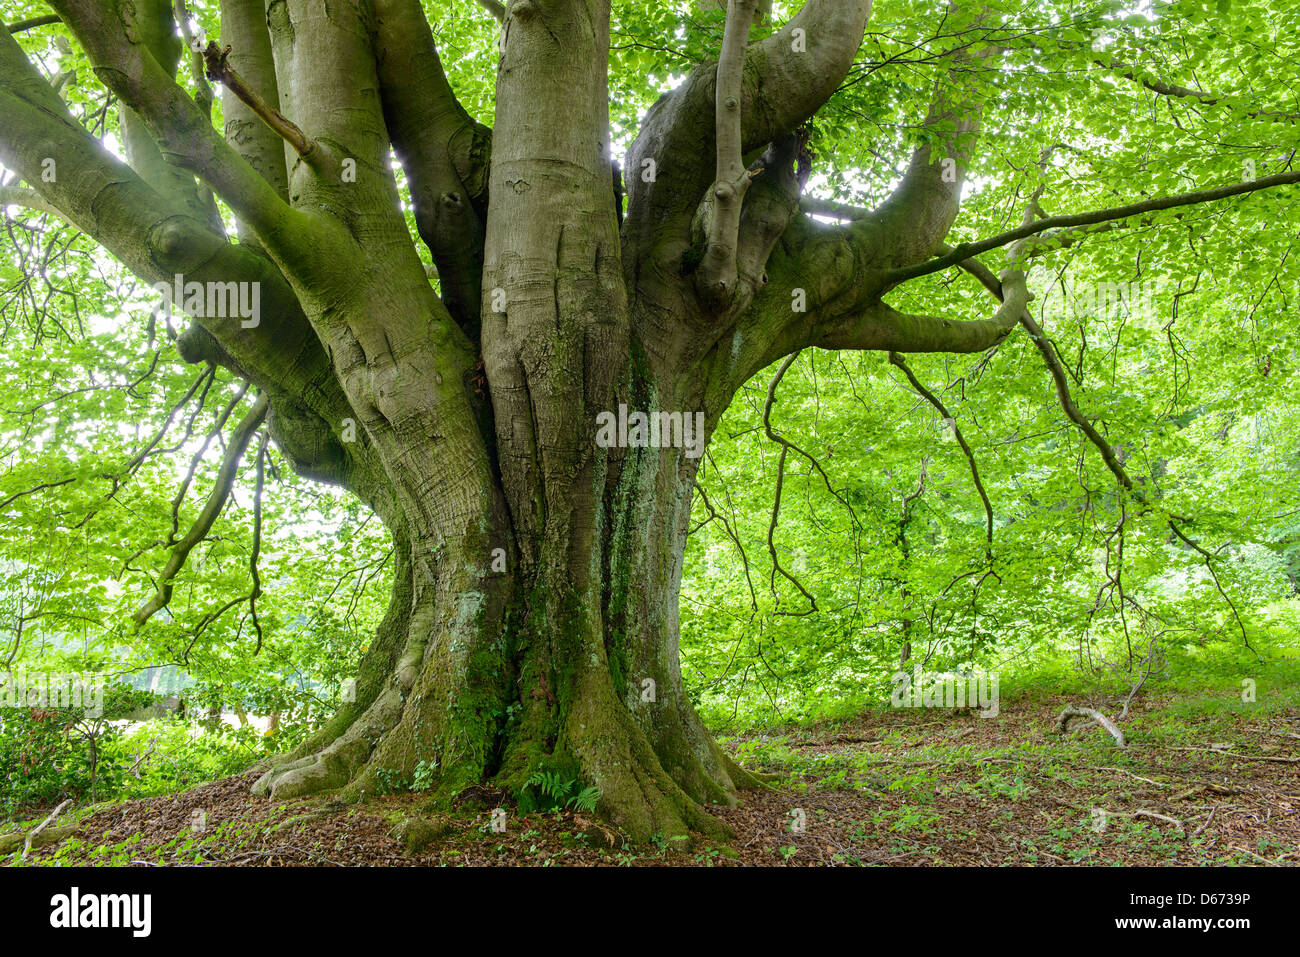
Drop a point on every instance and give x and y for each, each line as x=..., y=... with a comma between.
x=452, y=380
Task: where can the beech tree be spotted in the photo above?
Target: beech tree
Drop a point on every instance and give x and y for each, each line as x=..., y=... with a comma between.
x=533, y=620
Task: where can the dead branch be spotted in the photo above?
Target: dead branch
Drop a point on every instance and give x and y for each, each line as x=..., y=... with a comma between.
x=27, y=844
x=1073, y=711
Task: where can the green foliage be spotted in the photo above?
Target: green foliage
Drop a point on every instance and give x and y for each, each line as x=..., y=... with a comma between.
x=49, y=753
x=551, y=791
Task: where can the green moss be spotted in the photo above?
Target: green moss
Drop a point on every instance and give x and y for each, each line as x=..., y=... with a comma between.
x=417, y=833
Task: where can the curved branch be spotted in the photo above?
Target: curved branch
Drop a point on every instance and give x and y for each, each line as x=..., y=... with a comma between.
x=919, y=213
x=211, y=510
x=786, y=78
x=880, y=326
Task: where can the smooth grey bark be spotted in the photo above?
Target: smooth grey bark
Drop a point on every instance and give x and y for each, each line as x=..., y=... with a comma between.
x=536, y=571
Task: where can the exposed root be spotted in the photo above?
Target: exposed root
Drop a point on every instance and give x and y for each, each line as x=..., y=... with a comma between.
x=334, y=765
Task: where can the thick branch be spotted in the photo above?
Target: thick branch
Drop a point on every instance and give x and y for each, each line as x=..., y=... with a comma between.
x=182, y=131
x=921, y=210
x=716, y=278
x=882, y=327
x=966, y=250
x=444, y=152
x=27, y=198
x=18, y=26
x=153, y=30
x=157, y=239
x=792, y=73
x=494, y=7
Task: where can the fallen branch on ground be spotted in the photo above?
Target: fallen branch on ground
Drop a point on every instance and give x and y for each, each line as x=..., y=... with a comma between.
x=1106, y=815
x=1073, y=711
x=1233, y=754
x=27, y=844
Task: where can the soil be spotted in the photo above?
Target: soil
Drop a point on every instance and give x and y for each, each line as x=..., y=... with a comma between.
x=894, y=787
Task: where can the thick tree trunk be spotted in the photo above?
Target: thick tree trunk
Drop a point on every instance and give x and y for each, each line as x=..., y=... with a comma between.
x=492, y=684
x=543, y=635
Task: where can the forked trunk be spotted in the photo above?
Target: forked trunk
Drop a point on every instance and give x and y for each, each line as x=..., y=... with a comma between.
x=545, y=635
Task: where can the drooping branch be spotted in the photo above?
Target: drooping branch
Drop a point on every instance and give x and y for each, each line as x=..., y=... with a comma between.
x=256, y=592
x=786, y=446
x=1061, y=380
x=196, y=459
x=950, y=419
x=215, y=504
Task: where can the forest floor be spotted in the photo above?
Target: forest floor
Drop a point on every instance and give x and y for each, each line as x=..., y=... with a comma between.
x=1204, y=781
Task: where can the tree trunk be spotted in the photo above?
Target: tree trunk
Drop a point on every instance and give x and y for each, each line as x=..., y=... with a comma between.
x=569, y=663
x=544, y=634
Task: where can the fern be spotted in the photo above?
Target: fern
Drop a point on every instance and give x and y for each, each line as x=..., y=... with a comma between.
x=560, y=793
x=585, y=800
